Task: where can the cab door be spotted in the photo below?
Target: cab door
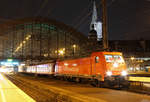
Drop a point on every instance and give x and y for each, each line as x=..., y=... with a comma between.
x=95, y=64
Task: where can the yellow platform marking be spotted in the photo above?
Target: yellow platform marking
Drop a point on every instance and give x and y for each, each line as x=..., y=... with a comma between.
x=5, y=98
x=139, y=79
x=2, y=94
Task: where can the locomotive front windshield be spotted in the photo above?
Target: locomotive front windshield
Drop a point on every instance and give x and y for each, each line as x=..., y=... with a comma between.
x=114, y=58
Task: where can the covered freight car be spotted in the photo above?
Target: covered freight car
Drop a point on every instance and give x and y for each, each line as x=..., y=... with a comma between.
x=47, y=68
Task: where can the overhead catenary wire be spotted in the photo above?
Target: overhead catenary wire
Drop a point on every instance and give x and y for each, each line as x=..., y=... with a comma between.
x=42, y=6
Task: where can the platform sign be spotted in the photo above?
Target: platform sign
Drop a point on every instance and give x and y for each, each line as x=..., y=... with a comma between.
x=9, y=62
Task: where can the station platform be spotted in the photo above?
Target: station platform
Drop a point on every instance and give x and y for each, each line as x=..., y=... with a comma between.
x=139, y=73
x=139, y=76
x=140, y=79
x=11, y=93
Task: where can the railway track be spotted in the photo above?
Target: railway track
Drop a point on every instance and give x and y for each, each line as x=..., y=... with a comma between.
x=36, y=92
x=136, y=87
x=25, y=80
x=49, y=93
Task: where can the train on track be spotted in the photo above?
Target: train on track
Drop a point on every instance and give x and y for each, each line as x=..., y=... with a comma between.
x=100, y=69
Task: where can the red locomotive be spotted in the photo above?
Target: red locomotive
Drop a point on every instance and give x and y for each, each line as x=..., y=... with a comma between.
x=106, y=68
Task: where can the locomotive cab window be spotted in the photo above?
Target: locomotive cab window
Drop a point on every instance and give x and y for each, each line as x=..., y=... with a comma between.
x=118, y=58
x=109, y=58
x=114, y=58
x=97, y=59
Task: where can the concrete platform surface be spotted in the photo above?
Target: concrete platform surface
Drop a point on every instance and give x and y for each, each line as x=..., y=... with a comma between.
x=11, y=93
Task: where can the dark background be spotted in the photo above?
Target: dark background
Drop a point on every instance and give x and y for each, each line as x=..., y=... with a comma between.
x=127, y=19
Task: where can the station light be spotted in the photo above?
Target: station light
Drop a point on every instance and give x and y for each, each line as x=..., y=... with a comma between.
x=45, y=55
x=20, y=44
x=124, y=73
x=63, y=49
x=66, y=64
x=141, y=61
x=56, y=51
x=115, y=65
x=137, y=68
x=74, y=64
x=22, y=64
x=23, y=42
x=131, y=68
x=27, y=38
x=109, y=73
x=61, y=52
x=9, y=60
x=74, y=46
x=132, y=58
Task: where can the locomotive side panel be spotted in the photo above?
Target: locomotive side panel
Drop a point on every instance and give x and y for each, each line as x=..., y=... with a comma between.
x=85, y=66
x=77, y=67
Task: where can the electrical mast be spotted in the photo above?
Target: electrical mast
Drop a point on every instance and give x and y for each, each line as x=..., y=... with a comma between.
x=104, y=25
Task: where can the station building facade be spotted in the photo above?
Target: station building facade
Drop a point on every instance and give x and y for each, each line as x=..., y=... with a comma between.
x=41, y=38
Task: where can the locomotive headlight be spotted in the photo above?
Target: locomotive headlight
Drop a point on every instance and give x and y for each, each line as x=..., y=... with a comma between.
x=109, y=73
x=115, y=65
x=124, y=73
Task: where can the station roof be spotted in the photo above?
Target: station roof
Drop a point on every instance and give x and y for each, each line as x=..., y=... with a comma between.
x=60, y=25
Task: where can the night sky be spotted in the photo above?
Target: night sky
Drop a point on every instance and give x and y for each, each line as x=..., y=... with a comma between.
x=127, y=19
